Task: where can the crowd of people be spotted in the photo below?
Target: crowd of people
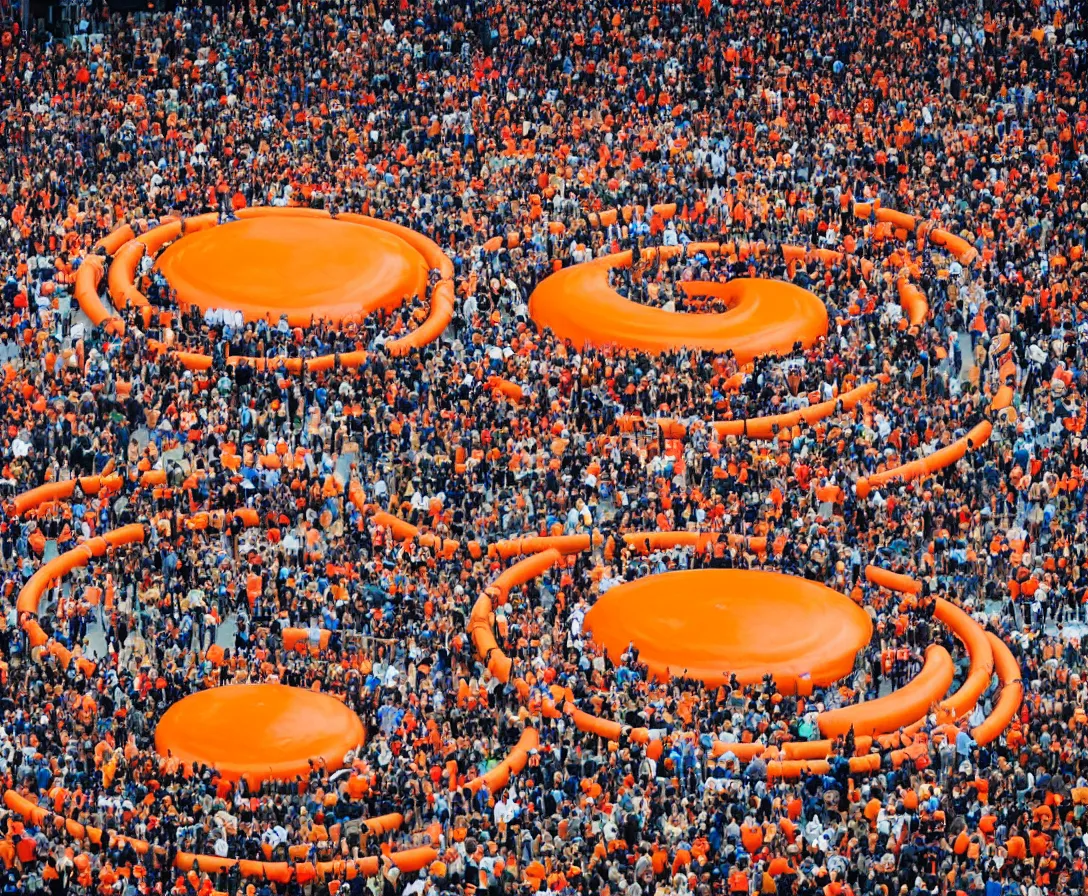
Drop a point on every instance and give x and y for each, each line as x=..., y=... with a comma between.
x=764, y=123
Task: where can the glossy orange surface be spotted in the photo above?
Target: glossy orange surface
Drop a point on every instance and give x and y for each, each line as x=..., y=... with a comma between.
x=268, y=265
x=708, y=623
x=763, y=316
x=259, y=730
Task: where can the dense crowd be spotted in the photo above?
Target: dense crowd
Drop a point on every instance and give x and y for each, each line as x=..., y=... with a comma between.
x=764, y=123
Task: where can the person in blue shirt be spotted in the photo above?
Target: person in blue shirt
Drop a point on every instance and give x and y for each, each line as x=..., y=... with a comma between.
x=964, y=745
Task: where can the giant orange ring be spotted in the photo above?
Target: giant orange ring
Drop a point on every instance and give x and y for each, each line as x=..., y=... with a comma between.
x=127, y=249
x=894, y=721
x=764, y=317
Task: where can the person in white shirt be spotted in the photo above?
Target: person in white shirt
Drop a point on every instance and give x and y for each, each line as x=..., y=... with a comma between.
x=469, y=307
x=419, y=500
x=392, y=676
x=505, y=811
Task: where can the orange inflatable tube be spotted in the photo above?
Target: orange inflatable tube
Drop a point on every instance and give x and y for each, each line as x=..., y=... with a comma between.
x=168, y=230
x=38, y=816
x=124, y=290
x=407, y=860
x=893, y=581
x=913, y=302
x=384, y=824
x=193, y=360
x=898, y=709
x=197, y=223
x=480, y=619
x=765, y=317
x=483, y=638
x=431, y=328
x=869, y=764
x=974, y=639
x=964, y=252
x=979, y=435
x=140, y=847
x=605, y=728
x=60, y=491
x=1012, y=693
x=863, y=745
x=650, y=542
x=31, y=593
x=769, y=427
x=901, y=220
x=205, y=864
x=401, y=529
x=519, y=547
x=85, y=289
x=515, y=761
x=114, y=240
x=35, y=634
x=524, y=571
x=808, y=749
x=821, y=749
x=480, y=628
x=291, y=365
x=763, y=428
x=122, y=276
x=289, y=211
x=349, y=868
x=791, y=769
x=745, y=752
x=938, y=460
x=414, y=859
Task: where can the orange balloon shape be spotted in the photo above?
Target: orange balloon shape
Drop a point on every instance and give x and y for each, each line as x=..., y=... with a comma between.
x=763, y=316
x=261, y=731
x=305, y=267
x=708, y=623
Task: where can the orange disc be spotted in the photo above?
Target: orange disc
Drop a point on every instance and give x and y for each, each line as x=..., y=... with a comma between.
x=259, y=731
x=708, y=623
x=304, y=267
